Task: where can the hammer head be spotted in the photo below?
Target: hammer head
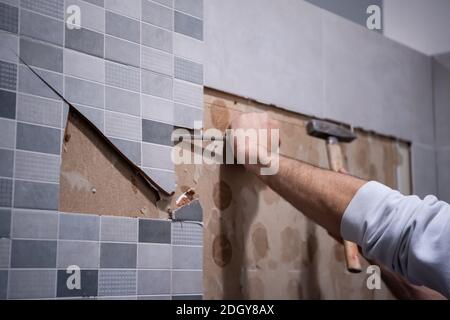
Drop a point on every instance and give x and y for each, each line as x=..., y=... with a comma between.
x=324, y=130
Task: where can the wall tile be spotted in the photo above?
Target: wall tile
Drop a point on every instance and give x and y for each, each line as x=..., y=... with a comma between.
x=157, y=156
x=123, y=27
x=3, y=284
x=5, y=192
x=8, y=133
x=34, y=166
x=54, y=8
x=86, y=41
x=36, y=138
x=443, y=162
x=14, y=3
x=96, y=116
x=88, y=284
x=5, y=253
x=9, y=47
x=41, y=55
x=100, y=3
x=8, y=104
x=39, y=110
x=153, y=256
x=187, y=282
x=164, y=297
x=156, y=37
x=79, y=227
x=121, y=76
x=116, y=283
x=35, y=224
x=123, y=126
x=153, y=282
x=157, y=15
x=187, y=47
x=188, y=25
x=42, y=28
x=34, y=195
x=441, y=82
x=131, y=149
x=131, y=8
x=157, y=109
x=188, y=297
x=118, y=255
x=165, y=179
x=187, y=257
x=184, y=233
x=156, y=132
x=123, y=101
x=84, y=254
x=84, y=66
x=191, y=212
x=93, y=17
x=33, y=254
x=185, y=116
x=9, y=17
x=30, y=83
x=156, y=60
x=192, y=7
x=119, y=229
x=155, y=231
x=5, y=223
x=122, y=51
x=8, y=75
x=84, y=92
x=32, y=284
x=423, y=175
x=188, y=70
x=167, y=3
x=156, y=84
x=6, y=163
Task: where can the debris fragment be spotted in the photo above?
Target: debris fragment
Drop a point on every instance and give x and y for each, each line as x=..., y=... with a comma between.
x=185, y=198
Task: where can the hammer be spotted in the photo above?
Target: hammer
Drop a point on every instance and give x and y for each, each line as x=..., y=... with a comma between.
x=334, y=134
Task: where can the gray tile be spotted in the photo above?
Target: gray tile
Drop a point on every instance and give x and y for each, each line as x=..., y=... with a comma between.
x=188, y=297
x=153, y=256
x=424, y=179
x=9, y=47
x=32, y=284
x=123, y=27
x=187, y=282
x=443, y=160
x=117, y=283
x=156, y=132
x=122, y=51
x=165, y=179
x=84, y=92
x=118, y=255
x=131, y=8
x=33, y=254
x=8, y=75
x=164, y=297
x=131, y=149
x=123, y=126
x=5, y=223
x=6, y=163
x=37, y=167
x=189, y=48
x=54, y=8
x=157, y=156
x=188, y=70
x=42, y=28
x=84, y=66
x=167, y=3
x=34, y=195
x=35, y=224
x=9, y=18
x=121, y=76
x=86, y=41
x=154, y=231
x=94, y=115
x=187, y=257
x=192, y=7
x=8, y=133
x=100, y=3
x=88, y=284
x=14, y=3
x=121, y=229
x=3, y=284
x=39, y=110
x=84, y=254
x=153, y=282
x=79, y=227
x=30, y=83
x=441, y=83
x=8, y=104
x=5, y=192
x=156, y=84
x=157, y=15
x=123, y=101
x=185, y=116
x=36, y=138
x=191, y=212
x=92, y=17
x=157, y=60
x=188, y=25
x=156, y=37
x=187, y=234
x=5, y=253
x=41, y=55
x=157, y=109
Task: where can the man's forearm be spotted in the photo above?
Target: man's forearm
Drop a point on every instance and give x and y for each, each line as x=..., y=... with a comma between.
x=313, y=190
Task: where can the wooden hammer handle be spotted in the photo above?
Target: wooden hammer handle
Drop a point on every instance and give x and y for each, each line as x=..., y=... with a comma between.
x=351, y=249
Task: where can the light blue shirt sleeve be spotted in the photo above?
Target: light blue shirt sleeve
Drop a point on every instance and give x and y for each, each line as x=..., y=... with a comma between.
x=409, y=235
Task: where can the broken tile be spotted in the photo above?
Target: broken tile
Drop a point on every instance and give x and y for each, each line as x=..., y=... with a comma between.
x=157, y=60
x=37, y=167
x=165, y=179
x=184, y=257
x=157, y=156
x=153, y=256
x=191, y=212
x=84, y=92
x=123, y=126
x=121, y=76
x=6, y=163
x=122, y=51
x=36, y=195
x=8, y=133
x=187, y=234
x=131, y=8
x=5, y=223
x=39, y=110
x=33, y=254
x=54, y=8
x=157, y=15
x=157, y=109
x=8, y=75
x=86, y=41
x=157, y=84
x=154, y=231
x=88, y=284
x=188, y=70
x=84, y=254
x=156, y=37
x=192, y=7
x=123, y=101
x=5, y=192
x=187, y=282
x=41, y=55
x=37, y=138
x=155, y=282
x=30, y=83
x=43, y=28
x=9, y=18
x=117, y=283
x=94, y=115
x=32, y=284
x=84, y=66
x=157, y=132
x=79, y=227
x=131, y=149
x=123, y=27
x=188, y=25
x=120, y=229
x=35, y=224
x=118, y=255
